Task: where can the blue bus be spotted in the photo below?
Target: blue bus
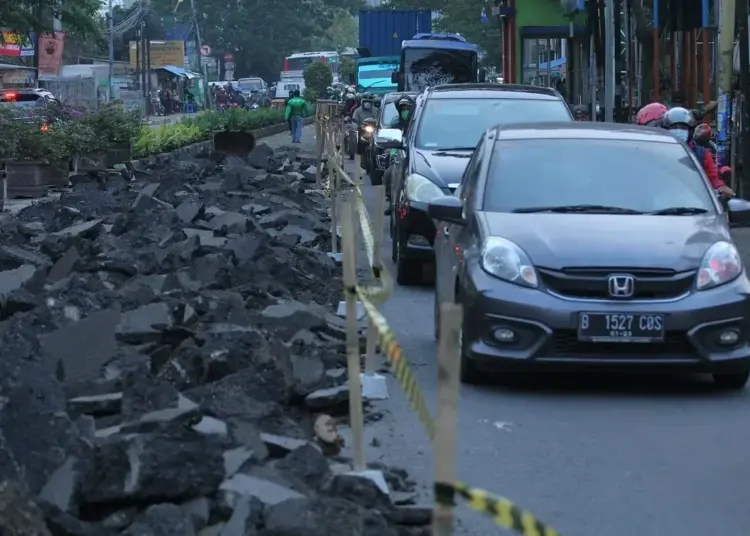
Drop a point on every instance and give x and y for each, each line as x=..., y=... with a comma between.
x=431, y=59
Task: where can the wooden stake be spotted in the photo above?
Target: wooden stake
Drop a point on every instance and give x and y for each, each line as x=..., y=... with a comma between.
x=356, y=417
x=451, y=316
x=372, y=334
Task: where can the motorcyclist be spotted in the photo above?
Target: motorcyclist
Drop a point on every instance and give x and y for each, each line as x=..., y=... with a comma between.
x=350, y=104
x=680, y=122
x=364, y=110
x=581, y=113
x=651, y=115
x=404, y=106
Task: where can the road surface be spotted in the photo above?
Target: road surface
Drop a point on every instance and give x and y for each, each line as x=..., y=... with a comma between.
x=591, y=455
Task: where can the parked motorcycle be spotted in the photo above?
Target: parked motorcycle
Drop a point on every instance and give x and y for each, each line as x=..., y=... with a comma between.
x=157, y=107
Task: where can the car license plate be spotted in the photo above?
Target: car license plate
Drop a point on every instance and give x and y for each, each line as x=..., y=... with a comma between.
x=620, y=327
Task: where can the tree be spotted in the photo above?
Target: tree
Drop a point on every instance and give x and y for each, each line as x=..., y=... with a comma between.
x=77, y=16
x=259, y=34
x=348, y=70
x=318, y=77
x=341, y=33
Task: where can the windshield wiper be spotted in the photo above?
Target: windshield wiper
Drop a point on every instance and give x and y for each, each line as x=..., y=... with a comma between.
x=572, y=209
x=679, y=211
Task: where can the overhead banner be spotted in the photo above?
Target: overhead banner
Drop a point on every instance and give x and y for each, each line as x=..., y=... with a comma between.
x=16, y=44
x=163, y=53
x=51, y=52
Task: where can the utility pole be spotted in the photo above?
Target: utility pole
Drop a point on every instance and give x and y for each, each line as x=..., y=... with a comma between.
x=199, y=44
x=144, y=74
x=742, y=172
x=37, y=35
x=726, y=49
x=110, y=93
x=609, y=60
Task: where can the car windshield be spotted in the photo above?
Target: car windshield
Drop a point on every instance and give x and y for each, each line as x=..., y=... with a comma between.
x=373, y=72
x=389, y=116
x=450, y=123
x=635, y=176
x=431, y=67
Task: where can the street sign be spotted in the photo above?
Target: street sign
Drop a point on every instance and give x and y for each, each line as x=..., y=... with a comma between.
x=228, y=56
x=205, y=50
x=229, y=66
x=207, y=60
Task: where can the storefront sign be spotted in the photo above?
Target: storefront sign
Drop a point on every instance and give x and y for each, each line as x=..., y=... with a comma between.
x=163, y=53
x=51, y=52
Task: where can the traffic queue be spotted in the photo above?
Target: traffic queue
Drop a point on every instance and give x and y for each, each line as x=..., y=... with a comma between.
x=625, y=262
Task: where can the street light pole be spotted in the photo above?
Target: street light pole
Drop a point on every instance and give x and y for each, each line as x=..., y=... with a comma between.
x=111, y=51
x=199, y=44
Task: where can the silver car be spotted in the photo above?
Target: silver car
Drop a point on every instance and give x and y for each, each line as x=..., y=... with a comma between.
x=596, y=245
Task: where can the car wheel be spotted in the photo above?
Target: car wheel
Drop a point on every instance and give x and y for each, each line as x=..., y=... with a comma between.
x=732, y=380
x=376, y=177
x=407, y=272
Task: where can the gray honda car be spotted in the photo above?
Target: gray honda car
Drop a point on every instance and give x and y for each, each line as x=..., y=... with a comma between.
x=597, y=245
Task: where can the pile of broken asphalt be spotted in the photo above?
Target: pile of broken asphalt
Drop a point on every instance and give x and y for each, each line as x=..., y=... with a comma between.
x=167, y=348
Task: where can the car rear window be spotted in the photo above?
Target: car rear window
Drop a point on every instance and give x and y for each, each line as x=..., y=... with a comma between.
x=20, y=100
x=458, y=123
x=638, y=175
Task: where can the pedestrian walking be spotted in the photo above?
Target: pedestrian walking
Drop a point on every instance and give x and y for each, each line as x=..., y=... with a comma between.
x=295, y=114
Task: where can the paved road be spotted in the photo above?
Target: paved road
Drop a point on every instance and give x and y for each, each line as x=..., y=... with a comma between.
x=591, y=455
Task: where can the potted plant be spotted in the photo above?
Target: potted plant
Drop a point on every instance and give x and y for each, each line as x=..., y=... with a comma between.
x=88, y=149
x=40, y=150
x=118, y=127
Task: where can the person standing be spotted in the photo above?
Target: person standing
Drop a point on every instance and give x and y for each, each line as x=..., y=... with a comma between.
x=295, y=114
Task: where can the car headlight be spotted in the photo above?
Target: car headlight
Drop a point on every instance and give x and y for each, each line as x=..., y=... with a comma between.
x=369, y=129
x=421, y=189
x=721, y=264
x=505, y=260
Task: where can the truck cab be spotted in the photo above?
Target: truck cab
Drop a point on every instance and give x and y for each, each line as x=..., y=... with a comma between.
x=433, y=59
x=375, y=74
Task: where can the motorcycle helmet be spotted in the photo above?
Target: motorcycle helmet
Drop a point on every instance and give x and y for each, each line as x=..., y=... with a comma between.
x=680, y=122
x=651, y=115
x=702, y=133
x=404, y=106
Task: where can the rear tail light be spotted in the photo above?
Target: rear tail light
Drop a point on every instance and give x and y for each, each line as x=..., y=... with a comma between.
x=44, y=127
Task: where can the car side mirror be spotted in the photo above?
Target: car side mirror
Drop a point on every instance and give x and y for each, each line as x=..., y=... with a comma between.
x=447, y=208
x=739, y=212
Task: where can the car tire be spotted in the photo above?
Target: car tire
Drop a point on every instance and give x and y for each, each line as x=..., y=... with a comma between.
x=408, y=272
x=734, y=381
x=376, y=177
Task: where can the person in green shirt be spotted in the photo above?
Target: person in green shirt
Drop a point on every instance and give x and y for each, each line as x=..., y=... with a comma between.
x=295, y=114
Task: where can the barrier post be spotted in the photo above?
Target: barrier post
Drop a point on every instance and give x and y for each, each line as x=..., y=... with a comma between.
x=375, y=386
x=447, y=412
x=356, y=417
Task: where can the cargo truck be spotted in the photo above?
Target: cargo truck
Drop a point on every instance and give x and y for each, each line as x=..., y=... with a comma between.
x=381, y=32
x=431, y=59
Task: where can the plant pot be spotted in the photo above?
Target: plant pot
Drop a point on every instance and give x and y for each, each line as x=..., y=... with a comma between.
x=27, y=178
x=58, y=174
x=118, y=153
x=92, y=162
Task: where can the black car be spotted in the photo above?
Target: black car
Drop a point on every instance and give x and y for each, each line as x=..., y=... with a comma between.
x=387, y=119
x=626, y=261
x=446, y=124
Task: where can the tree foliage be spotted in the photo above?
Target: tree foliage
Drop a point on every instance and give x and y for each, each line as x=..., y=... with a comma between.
x=259, y=34
x=318, y=77
x=347, y=70
x=77, y=16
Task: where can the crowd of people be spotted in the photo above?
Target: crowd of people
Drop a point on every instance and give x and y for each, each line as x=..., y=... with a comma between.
x=229, y=96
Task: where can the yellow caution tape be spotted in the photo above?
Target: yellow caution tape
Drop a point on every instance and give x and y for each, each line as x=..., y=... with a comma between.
x=503, y=512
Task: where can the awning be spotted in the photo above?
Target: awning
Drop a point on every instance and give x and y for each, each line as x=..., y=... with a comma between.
x=177, y=71
x=191, y=75
x=11, y=67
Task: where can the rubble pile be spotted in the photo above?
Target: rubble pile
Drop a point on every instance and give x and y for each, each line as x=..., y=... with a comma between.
x=167, y=348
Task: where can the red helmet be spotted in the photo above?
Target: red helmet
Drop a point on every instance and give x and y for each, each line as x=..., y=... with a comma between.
x=651, y=114
x=702, y=133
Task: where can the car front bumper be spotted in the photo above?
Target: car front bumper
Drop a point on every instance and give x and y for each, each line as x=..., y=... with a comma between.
x=546, y=328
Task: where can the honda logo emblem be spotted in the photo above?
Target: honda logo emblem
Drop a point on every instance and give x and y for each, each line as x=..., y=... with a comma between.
x=621, y=286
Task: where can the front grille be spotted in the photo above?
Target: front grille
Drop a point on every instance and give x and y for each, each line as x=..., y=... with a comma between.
x=566, y=344
x=592, y=283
